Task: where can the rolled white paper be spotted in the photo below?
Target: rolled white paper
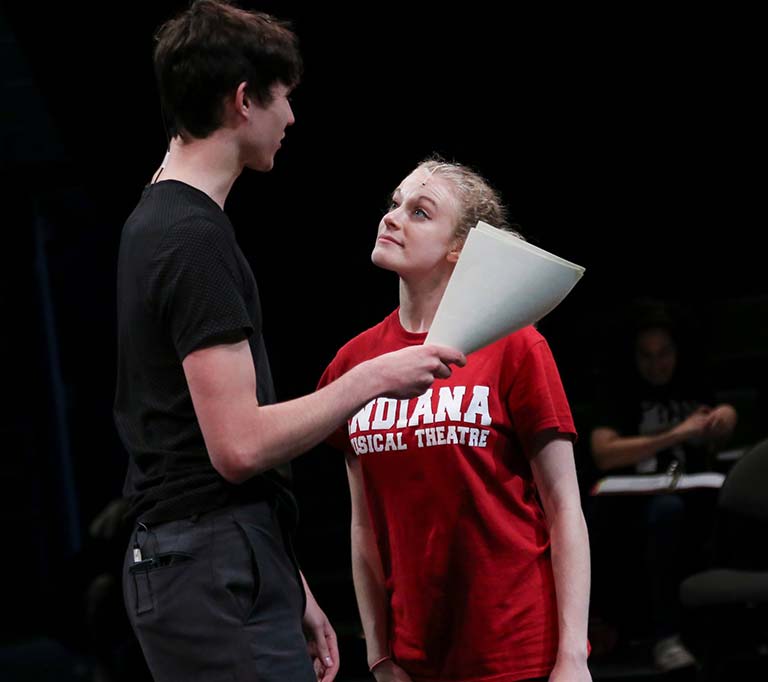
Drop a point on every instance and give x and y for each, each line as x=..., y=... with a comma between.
x=501, y=283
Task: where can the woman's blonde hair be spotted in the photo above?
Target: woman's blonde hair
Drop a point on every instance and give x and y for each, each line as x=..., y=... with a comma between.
x=477, y=200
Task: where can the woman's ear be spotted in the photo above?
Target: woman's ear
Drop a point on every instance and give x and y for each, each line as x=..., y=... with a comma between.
x=453, y=254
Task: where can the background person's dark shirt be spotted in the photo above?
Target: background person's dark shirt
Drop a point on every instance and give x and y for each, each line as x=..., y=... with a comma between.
x=182, y=284
x=639, y=409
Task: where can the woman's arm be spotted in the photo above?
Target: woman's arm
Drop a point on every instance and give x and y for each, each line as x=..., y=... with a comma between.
x=368, y=577
x=554, y=472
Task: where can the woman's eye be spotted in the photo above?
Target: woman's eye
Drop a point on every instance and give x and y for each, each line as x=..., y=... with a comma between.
x=421, y=212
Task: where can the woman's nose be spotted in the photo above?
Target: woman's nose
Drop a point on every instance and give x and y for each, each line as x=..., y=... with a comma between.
x=392, y=219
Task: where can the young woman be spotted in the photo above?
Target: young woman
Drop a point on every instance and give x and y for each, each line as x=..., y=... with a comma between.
x=469, y=547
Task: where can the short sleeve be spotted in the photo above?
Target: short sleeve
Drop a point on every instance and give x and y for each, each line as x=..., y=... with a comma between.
x=536, y=398
x=196, y=287
x=339, y=439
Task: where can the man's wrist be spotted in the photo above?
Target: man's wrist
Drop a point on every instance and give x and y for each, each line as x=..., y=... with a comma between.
x=371, y=378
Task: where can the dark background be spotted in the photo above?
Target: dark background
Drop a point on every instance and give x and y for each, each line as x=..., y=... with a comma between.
x=631, y=144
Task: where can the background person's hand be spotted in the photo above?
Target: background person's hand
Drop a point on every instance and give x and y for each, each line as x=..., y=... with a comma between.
x=108, y=521
x=721, y=422
x=695, y=425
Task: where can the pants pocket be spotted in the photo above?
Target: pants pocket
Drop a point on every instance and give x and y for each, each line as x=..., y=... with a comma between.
x=154, y=574
x=278, y=591
x=247, y=588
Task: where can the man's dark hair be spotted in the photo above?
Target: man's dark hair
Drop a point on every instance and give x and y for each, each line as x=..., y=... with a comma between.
x=204, y=53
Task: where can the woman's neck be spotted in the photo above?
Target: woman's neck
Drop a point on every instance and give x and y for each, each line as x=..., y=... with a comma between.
x=418, y=302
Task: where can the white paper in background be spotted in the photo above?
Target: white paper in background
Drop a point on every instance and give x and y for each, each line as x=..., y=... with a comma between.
x=618, y=485
x=501, y=283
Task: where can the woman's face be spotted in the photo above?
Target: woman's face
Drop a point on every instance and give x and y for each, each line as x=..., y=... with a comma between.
x=417, y=235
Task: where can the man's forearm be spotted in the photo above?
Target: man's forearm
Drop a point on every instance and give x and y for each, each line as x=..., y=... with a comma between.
x=262, y=437
x=244, y=438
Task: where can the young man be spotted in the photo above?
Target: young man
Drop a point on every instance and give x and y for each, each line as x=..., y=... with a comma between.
x=210, y=581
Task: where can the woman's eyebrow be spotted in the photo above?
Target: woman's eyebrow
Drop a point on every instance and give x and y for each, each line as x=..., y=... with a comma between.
x=424, y=197
x=420, y=197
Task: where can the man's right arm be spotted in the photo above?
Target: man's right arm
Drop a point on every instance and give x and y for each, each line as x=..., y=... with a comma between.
x=244, y=438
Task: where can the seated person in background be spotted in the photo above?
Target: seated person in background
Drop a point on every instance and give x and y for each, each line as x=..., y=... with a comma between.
x=656, y=422
x=667, y=421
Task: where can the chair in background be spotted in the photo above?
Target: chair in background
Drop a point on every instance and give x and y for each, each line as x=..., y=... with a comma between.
x=726, y=607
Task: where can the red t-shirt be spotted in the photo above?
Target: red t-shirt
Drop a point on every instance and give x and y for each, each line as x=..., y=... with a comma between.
x=459, y=527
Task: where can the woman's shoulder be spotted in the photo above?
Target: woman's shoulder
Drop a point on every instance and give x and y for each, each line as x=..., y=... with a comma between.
x=521, y=341
x=365, y=345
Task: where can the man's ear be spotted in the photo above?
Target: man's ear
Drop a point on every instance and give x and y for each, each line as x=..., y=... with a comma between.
x=242, y=100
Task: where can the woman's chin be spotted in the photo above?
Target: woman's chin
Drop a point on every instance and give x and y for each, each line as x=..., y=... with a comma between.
x=380, y=259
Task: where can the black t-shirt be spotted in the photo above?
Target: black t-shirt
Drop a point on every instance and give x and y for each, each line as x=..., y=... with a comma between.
x=638, y=408
x=182, y=284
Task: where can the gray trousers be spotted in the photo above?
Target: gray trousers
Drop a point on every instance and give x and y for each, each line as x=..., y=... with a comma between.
x=218, y=598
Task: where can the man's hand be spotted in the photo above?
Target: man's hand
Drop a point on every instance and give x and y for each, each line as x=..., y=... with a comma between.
x=409, y=372
x=321, y=641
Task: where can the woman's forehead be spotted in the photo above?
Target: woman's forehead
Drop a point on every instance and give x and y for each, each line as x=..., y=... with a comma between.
x=422, y=182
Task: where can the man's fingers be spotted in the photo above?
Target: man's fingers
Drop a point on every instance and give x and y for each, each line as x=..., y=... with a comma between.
x=450, y=356
x=323, y=652
x=442, y=371
x=332, y=662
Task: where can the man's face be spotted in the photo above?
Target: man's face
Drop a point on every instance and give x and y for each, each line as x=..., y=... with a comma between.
x=266, y=128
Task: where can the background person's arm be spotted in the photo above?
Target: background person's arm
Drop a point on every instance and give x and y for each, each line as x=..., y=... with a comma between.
x=721, y=423
x=611, y=450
